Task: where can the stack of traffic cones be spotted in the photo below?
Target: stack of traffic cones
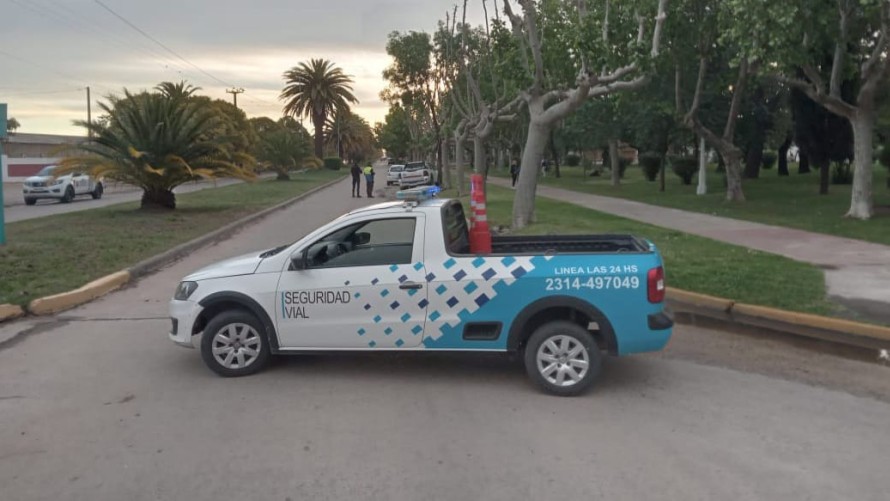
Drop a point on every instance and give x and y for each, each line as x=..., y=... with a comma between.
x=480, y=236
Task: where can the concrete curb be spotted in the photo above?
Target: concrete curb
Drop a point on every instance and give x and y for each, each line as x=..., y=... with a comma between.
x=726, y=311
x=10, y=311
x=66, y=300
x=97, y=288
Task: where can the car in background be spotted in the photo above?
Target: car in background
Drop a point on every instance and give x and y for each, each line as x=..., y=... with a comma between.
x=45, y=184
x=416, y=174
x=394, y=174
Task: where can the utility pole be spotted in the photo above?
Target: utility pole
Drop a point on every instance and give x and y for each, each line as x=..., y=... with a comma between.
x=234, y=91
x=89, y=113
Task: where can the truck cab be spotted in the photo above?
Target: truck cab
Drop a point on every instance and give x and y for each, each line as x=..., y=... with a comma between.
x=401, y=276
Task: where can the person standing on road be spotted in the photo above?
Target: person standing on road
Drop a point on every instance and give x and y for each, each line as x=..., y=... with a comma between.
x=514, y=171
x=369, y=180
x=356, y=180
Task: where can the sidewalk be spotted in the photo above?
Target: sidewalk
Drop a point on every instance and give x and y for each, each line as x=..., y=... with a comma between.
x=857, y=273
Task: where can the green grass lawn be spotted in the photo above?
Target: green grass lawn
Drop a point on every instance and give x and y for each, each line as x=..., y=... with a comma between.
x=55, y=254
x=692, y=263
x=792, y=201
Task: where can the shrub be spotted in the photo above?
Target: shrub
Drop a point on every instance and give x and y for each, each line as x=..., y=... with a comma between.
x=842, y=173
x=651, y=164
x=769, y=159
x=312, y=162
x=622, y=166
x=333, y=163
x=573, y=160
x=685, y=168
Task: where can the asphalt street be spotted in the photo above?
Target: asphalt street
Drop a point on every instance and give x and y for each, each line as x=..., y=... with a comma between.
x=97, y=404
x=17, y=211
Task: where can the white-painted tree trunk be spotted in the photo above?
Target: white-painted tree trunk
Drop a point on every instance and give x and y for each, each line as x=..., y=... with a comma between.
x=614, y=162
x=861, y=200
x=459, y=160
x=527, y=184
x=702, y=188
x=446, y=168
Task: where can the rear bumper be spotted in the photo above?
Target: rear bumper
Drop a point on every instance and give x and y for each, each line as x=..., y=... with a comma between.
x=660, y=321
x=653, y=335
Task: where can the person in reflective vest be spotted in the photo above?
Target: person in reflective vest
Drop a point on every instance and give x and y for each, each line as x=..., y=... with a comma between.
x=369, y=180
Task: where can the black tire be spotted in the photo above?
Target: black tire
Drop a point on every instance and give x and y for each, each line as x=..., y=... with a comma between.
x=564, y=335
x=98, y=191
x=237, y=320
x=30, y=201
x=69, y=195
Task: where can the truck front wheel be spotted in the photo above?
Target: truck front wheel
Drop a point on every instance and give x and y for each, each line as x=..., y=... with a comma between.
x=98, y=191
x=69, y=195
x=235, y=344
x=562, y=358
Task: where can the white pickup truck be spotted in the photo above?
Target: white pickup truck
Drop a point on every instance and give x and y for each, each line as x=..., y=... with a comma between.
x=62, y=188
x=400, y=276
x=415, y=174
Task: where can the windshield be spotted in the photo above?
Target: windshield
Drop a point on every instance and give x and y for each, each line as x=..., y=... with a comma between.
x=47, y=171
x=396, y=168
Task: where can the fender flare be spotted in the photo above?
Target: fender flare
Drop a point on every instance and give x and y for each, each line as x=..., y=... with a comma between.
x=517, y=327
x=250, y=305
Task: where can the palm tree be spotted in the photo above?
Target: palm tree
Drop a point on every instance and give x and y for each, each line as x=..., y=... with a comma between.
x=350, y=135
x=279, y=148
x=181, y=90
x=316, y=89
x=157, y=143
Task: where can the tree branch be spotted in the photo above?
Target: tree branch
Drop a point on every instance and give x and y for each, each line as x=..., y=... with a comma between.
x=534, y=42
x=840, y=49
x=516, y=25
x=832, y=104
x=738, y=92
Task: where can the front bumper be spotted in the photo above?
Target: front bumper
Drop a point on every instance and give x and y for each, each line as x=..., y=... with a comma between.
x=39, y=193
x=183, y=315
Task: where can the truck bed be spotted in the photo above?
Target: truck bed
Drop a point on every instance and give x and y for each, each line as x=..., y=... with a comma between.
x=567, y=244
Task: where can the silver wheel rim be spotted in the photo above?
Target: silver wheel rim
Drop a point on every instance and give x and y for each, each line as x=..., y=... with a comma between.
x=562, y=360
x=236, y=346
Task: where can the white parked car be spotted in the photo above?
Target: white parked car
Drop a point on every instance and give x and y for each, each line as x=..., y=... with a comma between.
x=62, y=188
x=394, y=174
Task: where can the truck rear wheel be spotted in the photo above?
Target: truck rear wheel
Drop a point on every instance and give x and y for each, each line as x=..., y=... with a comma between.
x=30, y=201
x=235, y=344
x=562, y=358
x=97, y=191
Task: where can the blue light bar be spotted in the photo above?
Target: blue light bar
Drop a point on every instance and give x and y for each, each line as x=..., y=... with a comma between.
x=418, y=194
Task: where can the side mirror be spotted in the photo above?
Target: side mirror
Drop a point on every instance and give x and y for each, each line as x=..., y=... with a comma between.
x=299, y=262
x=362, y=238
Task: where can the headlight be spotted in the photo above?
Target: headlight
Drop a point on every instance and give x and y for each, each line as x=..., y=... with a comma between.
x=184, y=290
x=58, y=181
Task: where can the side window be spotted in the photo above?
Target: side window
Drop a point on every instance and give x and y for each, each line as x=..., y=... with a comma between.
x=369, y=243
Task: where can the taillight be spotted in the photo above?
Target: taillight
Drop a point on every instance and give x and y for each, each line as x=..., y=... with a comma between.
x=655, y=285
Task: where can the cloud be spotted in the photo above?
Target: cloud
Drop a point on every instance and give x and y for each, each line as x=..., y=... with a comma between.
x=51, y=49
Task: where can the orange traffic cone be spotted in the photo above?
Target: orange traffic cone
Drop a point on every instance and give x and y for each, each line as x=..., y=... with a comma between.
x=480, y=236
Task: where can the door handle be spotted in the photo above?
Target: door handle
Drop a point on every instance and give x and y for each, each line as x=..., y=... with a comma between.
x=411, y=285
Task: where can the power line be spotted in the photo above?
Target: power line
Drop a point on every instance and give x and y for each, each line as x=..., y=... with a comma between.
x=74, y=20
x=168, y=49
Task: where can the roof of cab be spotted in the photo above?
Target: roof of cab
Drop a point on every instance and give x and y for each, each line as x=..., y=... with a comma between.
x=432, y=203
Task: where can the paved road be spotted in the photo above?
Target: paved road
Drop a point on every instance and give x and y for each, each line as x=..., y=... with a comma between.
x=856, y=272
x=17, y=211
x=97, y=404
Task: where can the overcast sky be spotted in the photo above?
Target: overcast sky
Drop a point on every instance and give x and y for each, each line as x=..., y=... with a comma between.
x=50, y=50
